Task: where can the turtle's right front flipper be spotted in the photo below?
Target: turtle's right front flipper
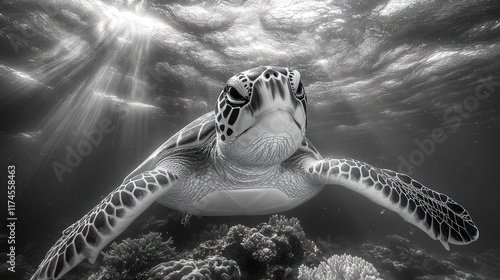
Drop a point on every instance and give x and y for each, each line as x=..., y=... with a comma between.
x=87, y=237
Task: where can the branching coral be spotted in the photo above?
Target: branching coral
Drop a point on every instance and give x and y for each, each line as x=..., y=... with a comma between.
x=344, y=267
x=287, y=226
x=186, y=235
x=213, y=268
x=272, y=250
x=291, y=227
x=289, y=239
x=262, y=247
x=152, y=223
x=132, y=258
x=214, y=232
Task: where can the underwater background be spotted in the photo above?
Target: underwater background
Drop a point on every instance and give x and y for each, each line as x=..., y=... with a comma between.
x=381, y=78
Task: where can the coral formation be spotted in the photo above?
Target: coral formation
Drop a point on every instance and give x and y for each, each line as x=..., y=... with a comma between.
x=132, y=258
x=214, y=232
x=404, y=261
x=278, y=249
x=213, y=268
x=396, y=257
x=262, y=247
x=186, y=235
x=272, y=250
x=344, y=267
x=152, y=223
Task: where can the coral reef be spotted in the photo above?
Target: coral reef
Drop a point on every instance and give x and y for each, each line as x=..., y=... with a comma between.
x=272, y=250
x=344, y=267
x=132, y=258
x=397, y=258
x=277, y=249
x=214, y=232
x=152, y=223
x=488, y=263
x=213, y=268
x=403, y=260
x=186, y=235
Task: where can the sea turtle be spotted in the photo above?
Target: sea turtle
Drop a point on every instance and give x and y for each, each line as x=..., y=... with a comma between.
x=250, y=156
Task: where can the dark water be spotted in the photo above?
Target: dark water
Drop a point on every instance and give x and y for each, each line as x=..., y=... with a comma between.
x=381, y=78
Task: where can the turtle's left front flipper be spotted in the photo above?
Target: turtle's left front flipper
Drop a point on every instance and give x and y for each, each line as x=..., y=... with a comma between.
x=87, y=237
x=435, y=213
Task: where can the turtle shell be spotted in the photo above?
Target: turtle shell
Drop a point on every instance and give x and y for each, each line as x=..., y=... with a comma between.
x=195, y=133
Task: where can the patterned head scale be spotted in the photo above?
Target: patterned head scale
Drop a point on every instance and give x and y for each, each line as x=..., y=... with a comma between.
x=259, y=107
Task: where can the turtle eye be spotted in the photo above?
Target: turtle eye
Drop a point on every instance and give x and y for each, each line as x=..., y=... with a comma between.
x=300, y=93
x=234, y=97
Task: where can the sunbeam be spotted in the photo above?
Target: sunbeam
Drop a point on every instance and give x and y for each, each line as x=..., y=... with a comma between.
x=110, y=48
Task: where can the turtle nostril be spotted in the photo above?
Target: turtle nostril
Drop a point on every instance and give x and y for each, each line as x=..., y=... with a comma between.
x=268, y=73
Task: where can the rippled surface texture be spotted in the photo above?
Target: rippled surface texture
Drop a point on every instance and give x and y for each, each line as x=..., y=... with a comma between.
x=408, y=85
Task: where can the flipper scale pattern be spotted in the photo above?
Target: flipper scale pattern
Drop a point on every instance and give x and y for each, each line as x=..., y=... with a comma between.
x=88, y=236
x=435, y=213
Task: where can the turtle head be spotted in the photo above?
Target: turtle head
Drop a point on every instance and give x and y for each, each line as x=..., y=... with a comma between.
x=261, y=116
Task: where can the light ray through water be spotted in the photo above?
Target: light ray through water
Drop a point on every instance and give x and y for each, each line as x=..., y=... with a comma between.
x=109, y=48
